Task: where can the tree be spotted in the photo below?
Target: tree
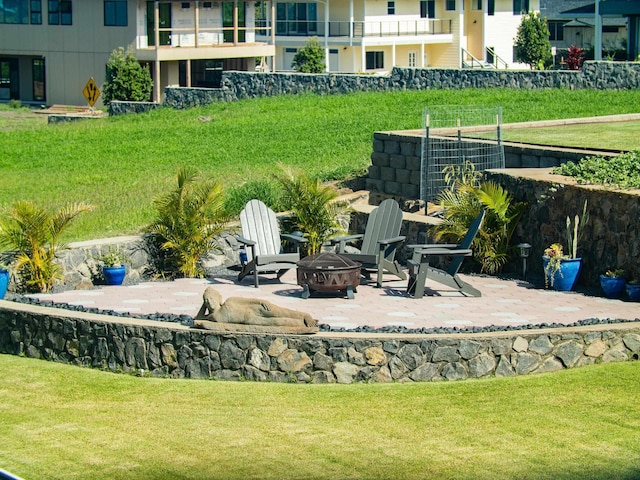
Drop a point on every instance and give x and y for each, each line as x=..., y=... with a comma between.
x=310, y=59
x=532, y=41
x=126, y=79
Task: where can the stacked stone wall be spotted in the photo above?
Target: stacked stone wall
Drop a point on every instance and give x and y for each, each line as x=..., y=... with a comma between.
x=151, y=348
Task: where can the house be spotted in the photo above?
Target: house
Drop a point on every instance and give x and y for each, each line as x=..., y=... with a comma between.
x=50, y=48
x=376, y=35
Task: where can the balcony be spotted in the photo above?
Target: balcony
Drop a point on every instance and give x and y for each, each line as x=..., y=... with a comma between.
x=364, y=29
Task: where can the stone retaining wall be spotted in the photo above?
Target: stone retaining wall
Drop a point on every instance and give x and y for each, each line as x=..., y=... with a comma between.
x=243, y=85
x=153, y=348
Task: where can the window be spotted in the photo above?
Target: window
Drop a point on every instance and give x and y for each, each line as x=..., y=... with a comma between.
x=115, y=13
x=35, y=7
x=296, y=18
x=39, y=91
x=556, y=31
x=185, y=5
x=391, y=8
x=206, y=4
x=451, y=5
x=427, y=9
x=476, y=5
x=491, y=7
x=413, y=55
x=609, y=29
x=375, y=60
x=60, y=12
x=520, y=7
x=14, y=11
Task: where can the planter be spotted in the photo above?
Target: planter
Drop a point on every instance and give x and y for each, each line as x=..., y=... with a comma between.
x=114, y=275
x=612, y=287
x=565, y=278
x=4, y=282
x=633, y=291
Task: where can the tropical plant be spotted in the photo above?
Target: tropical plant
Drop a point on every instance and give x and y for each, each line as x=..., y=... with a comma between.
x=126, y=79
x=575, y=57
x=310, y=58
x=463, y=200
x=189, y=220
x=315, y=206
x=34, y=234
x=113, y=257
x=616, y=273
x=532, y=44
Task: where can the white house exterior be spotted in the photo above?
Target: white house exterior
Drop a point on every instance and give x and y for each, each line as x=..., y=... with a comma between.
x=50, y=48
x=376, y=35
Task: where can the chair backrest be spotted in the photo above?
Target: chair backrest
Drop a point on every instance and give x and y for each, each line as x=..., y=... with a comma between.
x=384, y=222
x=259, y=223
x=466, y=242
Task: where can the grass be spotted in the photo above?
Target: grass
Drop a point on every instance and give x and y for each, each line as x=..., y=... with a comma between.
x=121, y=164
x=66, y=422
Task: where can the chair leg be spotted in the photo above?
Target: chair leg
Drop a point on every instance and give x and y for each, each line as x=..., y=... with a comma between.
x=417, y=279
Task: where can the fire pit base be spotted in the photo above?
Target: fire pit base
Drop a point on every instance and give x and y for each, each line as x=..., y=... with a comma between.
x=328, y=272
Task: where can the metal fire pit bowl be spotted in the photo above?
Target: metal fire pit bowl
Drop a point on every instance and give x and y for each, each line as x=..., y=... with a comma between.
x=328, y=272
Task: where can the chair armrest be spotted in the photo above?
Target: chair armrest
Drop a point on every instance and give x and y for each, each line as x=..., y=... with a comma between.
x=426, y=246
x=465, y=252
x=346, y=238
x=245, y=241
x=293, y=238
x=390, y=241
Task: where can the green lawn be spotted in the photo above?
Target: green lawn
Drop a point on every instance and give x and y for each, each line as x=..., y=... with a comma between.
x=65, y=422
x=121, y=164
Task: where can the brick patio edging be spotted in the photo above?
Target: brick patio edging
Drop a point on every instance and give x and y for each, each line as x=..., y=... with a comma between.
x=159, y=349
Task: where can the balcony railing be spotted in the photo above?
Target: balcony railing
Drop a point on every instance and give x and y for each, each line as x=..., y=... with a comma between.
x=364, y=29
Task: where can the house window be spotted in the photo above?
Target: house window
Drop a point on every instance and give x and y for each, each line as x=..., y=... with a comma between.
x=39, y=90
x=206, y=4
x=35, y=8
x=16, y=11
x=185, y=5
x=451, y=5
x=476, y=5
x=609, y=29
x=491, y=7
x=556, y=31
x=296, y=19
x=520, y=7
x=375, y=60
x=60, y=12
x=391, y=8
x=413, y=55
x=115, y=13
x=427, y=9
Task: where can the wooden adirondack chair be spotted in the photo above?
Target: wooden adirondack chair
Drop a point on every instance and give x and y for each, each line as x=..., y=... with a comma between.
x=261, y=234
x=420, y=270
x=380, y=241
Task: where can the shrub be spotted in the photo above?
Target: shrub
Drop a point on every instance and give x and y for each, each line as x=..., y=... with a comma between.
x=126, y=79
x=268, y=191
x=310, y=58
x=315, y=207
x=532, y=44
x=34, y=234
x=189, y=220
x=575, y=57
x=466, y=196
x=622, y=171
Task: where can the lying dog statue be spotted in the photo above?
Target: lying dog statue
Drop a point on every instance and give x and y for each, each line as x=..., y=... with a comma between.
x=240, y=311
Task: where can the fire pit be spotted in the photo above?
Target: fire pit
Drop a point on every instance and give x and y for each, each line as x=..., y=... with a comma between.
x=328, y=272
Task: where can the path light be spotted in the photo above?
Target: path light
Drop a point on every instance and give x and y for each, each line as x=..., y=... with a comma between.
x=525, y=250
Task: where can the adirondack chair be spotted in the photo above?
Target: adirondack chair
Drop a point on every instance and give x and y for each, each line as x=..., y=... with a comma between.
x=420, y=270
x=380, y=241
x=261, y=234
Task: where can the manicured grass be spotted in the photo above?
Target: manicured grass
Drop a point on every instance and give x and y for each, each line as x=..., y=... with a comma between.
x=65, y=422
x=121, y=164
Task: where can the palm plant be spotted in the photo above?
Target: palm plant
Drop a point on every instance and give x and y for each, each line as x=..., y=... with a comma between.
x=463, y=201
x=315, y=207
x=190, y=218
x=34, y=235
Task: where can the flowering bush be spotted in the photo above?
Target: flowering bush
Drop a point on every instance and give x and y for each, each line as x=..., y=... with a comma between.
x=555, y=254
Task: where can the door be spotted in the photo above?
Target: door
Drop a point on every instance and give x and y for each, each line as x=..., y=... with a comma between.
x=9, y=79
x=164, y=11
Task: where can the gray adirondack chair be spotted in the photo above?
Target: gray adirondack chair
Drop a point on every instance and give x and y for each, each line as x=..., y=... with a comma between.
x=262, y=240
x=380, y=242
x=420, y=270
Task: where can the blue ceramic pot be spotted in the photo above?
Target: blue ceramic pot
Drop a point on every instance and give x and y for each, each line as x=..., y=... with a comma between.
x=565, y=278
x=633, y=292
x=612, y=287
x=4, y=283
x=114, y=275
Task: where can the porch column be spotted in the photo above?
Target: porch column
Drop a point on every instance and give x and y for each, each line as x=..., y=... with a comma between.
x=196, y=22
x=422, y=55
x=188, y=73
x=326, y=36
x=351, y=23
x=597, y=48
x=273, y=32
x=156, y=64
x=235, y=22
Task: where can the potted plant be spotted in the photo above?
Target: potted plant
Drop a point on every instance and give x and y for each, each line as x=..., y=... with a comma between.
x=5, y=277
x=612, y=283
x=633, y=290
x=561, y=270
x=113, y=266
